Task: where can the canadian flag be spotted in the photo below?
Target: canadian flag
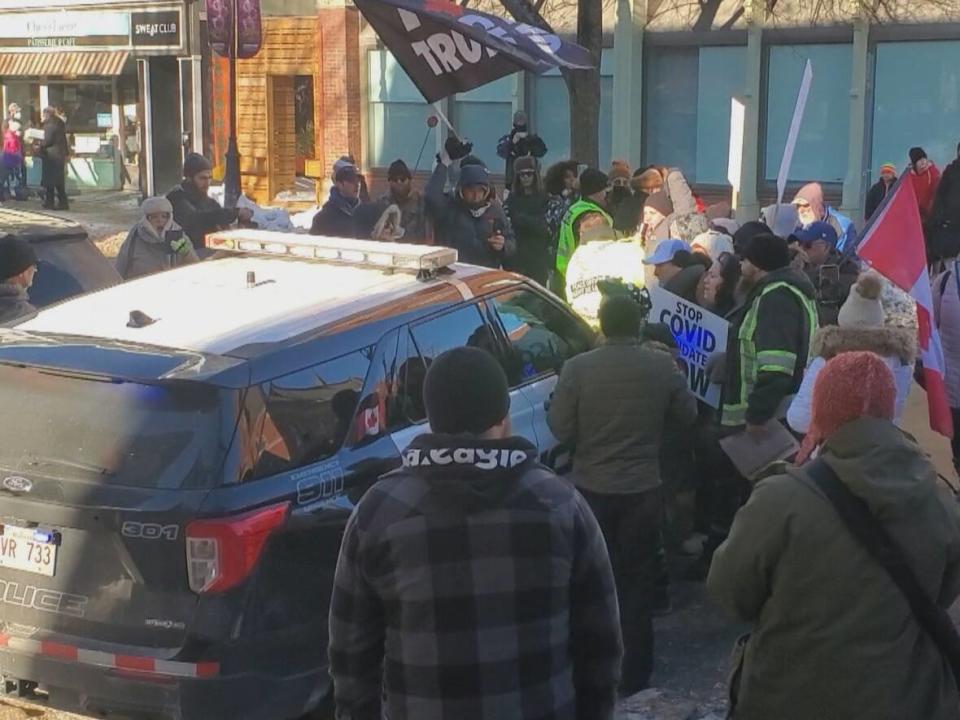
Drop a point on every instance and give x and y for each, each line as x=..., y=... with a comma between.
x=892, y=244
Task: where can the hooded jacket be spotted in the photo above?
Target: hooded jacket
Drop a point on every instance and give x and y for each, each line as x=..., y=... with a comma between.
x=457, y=226
x=612, y=403
x=145, y=252
x=198, y=214
x=339, y=217
x=846, y=232
x=14, y=304
x=476, y=584
x=833, y=636
x=897, y=347
x=767, y=348
x=925, y=185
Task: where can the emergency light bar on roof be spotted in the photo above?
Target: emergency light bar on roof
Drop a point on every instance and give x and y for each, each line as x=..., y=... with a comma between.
x=399, y=256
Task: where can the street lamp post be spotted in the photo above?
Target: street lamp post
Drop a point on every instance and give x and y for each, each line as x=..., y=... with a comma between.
x=231, y=178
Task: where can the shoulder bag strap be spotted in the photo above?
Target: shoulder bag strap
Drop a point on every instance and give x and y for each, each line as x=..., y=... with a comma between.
x=865, y=527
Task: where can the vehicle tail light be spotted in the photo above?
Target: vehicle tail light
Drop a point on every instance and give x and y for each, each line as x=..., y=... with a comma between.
x=221, y=553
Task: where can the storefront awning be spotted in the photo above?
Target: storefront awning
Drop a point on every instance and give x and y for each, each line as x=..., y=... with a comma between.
x=62, y=63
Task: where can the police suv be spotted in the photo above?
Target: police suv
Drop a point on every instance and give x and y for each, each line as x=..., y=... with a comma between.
x=180, y=453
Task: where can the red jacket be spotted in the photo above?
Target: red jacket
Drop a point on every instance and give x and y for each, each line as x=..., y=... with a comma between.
x=925, y=186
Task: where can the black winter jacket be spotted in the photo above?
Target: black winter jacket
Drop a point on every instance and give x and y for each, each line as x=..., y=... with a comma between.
x=946, y=204
x=777, y=332
x=455, y=225
x=528, y=218
x=198, y=214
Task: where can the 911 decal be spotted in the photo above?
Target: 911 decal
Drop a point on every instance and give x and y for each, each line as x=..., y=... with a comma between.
x=150, y=531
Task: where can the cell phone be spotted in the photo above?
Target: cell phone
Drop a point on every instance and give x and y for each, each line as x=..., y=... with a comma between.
x=829, y=290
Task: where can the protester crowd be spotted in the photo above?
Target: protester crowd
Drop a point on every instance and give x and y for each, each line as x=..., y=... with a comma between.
x=472, y=583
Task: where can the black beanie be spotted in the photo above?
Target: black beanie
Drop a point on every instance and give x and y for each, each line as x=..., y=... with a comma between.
x=767, y=252
x=398, y=171
x=465, y=391
x=195, y=163
x=745, y=233
x=592, y=181
x=917, y=154
x=16, y=255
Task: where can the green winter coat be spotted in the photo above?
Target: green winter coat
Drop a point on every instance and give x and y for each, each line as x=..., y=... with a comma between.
x=833, y=637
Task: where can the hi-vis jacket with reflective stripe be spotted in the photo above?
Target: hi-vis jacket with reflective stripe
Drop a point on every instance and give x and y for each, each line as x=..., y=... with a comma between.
x=568, y=240
x=767, y=348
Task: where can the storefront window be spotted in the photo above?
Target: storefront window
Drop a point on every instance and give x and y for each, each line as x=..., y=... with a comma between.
x=484, y=115
x=821, y=152
x=27, y=95
x=87, y=107
x=916, y=102
x=550, y=113
x=687, y=108
x=398, y=114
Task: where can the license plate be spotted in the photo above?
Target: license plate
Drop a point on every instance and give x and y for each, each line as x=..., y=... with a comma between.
x=28, y=549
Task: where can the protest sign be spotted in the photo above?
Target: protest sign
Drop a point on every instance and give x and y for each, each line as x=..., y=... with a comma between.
x=699, y=334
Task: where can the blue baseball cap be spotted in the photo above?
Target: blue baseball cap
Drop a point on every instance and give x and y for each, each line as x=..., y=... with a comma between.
x=665, y=252
x=819, y=230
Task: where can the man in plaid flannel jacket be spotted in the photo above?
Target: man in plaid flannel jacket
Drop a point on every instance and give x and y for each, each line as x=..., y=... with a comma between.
x=473, y=583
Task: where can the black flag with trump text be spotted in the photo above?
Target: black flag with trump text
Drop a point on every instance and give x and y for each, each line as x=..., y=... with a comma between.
x=447, y=49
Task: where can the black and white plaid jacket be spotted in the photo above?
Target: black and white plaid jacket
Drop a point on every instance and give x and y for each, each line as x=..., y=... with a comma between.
x=474, y=584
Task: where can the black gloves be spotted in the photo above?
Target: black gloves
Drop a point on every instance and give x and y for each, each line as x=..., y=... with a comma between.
x=456, y=148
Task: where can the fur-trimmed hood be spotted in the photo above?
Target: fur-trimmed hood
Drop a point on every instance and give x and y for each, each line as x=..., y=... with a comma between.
x=884, y=341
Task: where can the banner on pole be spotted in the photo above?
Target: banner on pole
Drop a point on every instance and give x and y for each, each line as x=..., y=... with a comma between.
x=249, y=25
x=794, y=132
x=735, y=160
x=446, y=48
x=699, y=334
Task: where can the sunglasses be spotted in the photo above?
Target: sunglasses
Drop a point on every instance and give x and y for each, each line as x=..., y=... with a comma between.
x=526, y=173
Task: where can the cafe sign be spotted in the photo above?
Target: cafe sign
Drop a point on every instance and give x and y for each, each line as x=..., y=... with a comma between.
x=117, y=29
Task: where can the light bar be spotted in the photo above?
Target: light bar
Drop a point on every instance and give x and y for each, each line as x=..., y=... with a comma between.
x=400, y=256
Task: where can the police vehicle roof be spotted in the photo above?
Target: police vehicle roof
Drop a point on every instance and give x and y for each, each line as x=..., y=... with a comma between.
x=209, y=308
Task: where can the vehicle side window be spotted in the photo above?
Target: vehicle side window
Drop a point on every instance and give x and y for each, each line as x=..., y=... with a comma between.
x=427, y=340
x=541, y=334
x=303, y=417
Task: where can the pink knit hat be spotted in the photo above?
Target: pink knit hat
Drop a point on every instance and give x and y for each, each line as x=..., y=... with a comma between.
x=850, y=386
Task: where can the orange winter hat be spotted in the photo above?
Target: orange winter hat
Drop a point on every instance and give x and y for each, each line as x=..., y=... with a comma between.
x=619, y=169
x=850, y=386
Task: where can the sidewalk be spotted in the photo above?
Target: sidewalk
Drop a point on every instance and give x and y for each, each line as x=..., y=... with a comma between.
x=107, y=216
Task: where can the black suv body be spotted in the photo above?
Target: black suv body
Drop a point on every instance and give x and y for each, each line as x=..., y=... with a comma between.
x=184, y=510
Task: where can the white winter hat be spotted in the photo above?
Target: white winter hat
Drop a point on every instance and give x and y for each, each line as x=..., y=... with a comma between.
x=863, y=308
x=713, y=244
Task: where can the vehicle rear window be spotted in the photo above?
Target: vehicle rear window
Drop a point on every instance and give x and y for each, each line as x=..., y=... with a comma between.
x=301, y=418
x=68, y=268
x=170, y=436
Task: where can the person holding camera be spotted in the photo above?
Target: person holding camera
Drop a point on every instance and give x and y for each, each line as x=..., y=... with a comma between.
x=518, y=143
x=470, y=220
x=831, y=273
